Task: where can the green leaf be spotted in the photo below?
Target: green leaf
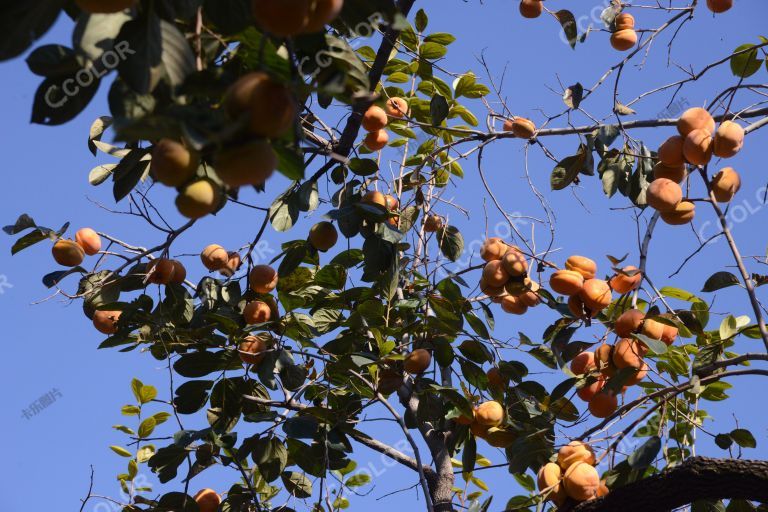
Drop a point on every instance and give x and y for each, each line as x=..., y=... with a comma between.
x=421, y=20
x=747, y=63
x=567, y=170
x=438, y=109
x=147, y=427
x=724, y=441
x=147, y=394
x=451, y=242
x=121, y=451
x=469, y=455
x=358, y=480
x=441, y=38
x=136, y=386
x=720, y=280
x=432, y=51
x=124, y=429
x=743, y=438
x=130, y=410
x=23, y=223
x=284, y=211
x=656, y=346
x=646, y=454
x=297, y=484
x=573, y=95
x=363, y=166
x=568, y=22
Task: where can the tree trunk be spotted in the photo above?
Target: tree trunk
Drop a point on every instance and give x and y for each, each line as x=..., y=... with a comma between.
x=441, y=485
x=698, y=478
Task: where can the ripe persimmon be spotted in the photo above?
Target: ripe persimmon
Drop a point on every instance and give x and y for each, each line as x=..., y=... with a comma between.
x=623, y=40
x=683, y=213
x=729, y=139
x=583, y=363
x=603, y=404
x=257, y=312
x=581, y=480
x=396, y=107
x=252, y=349
x=199, y=199
x=248, y=164
x=531, y=8
x=214, y=257
x=283, y=18
x=160, y=271
x=549, y=480
x=583, y=265
x=376, y=140
x=68, y=253
x=262, y=279
x=573, y=453
x=417, y=361
x=323, y=236
x=374, y=119
x=323, y=13
x=513, y=305
x=695, y=118
x=493, y=249
x=106, y=321
x=268, y=104
x=725, y=184
x=566, y=282
x=172, y=163
x=698, y=147
x=207, y=500
x=628, y=323
x=489, y=414
x=663, y=195
x=671, y=151
x=596, y=294
x=622, y=283
x=89, y=240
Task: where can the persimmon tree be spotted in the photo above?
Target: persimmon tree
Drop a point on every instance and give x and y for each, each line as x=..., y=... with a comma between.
x=285, y=359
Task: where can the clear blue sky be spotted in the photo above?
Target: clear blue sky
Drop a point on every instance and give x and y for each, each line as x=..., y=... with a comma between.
x=52, y=346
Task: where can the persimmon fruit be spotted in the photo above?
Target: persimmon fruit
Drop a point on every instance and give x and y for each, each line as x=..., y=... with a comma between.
x=323, y=236
x=172, y=164
x=262, y=279
x=89, y=240
x=417, y=361
x=68, y=253
x=214, y=257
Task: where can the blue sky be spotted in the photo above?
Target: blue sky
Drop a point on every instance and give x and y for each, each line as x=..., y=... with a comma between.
x=52, y=346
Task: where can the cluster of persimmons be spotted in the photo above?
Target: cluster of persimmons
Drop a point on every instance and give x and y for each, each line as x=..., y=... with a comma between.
x=376, y=119
x=573, y=475
x=698, y=140
x=261, y=106
x=623, y=34
x=505, y=277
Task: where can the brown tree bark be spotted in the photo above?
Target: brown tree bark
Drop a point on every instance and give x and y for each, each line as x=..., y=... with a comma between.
x=698, y=478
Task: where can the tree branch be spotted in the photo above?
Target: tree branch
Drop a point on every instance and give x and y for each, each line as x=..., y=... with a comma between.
x=698, y=478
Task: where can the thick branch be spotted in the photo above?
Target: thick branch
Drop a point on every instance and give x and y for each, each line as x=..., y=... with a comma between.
x=352, y=128
x=698, y=478
x=385, y=449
